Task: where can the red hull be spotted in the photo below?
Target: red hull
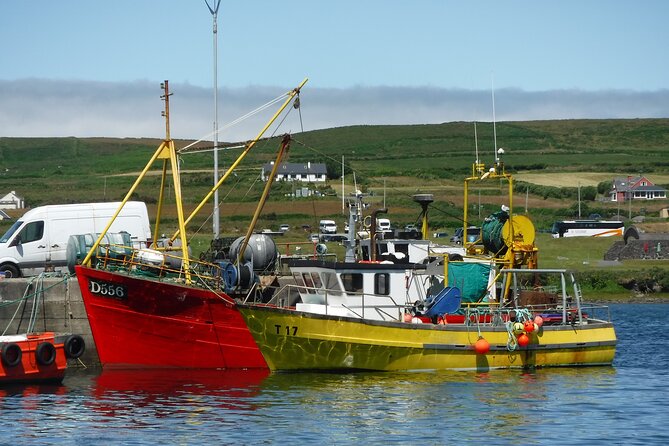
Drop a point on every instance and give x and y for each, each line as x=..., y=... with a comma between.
x=138, y=322
x=32, y=358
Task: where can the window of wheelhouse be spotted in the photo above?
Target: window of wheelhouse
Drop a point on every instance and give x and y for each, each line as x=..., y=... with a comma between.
x=352, y=282
x=300, y=283
x=318, y=285
x=331, y=283
x=382, y=284
x=308, y=282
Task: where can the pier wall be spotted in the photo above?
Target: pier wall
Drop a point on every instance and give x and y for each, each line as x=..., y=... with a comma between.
x=57, y=305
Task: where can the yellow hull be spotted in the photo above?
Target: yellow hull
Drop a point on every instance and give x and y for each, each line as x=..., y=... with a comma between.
x=292, y=340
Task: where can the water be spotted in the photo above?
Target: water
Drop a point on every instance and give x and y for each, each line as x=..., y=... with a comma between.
x=623, y=404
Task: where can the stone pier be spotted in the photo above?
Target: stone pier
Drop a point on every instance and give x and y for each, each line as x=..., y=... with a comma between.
x=55, y=301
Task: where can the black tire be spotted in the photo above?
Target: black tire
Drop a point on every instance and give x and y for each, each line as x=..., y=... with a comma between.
x=10, y=271
x=45, y=353
x=74, y=346
x=11, y=354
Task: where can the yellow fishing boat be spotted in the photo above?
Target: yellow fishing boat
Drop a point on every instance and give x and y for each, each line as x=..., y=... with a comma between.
x=481, y=337
x=486, y=306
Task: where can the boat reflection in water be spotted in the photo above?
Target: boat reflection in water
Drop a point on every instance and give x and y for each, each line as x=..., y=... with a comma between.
x=170, y=390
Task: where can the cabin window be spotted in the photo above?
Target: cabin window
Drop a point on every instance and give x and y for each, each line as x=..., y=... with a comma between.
x=308, y=282
x=352, y=282
x=317, y=283
x=331, y=284
x=299, y=282
x=32, y=232
x=382, y=284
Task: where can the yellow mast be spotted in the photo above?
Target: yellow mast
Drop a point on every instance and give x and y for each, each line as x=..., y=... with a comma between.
x=291, y=94
x=283, y=149
x=167, y=152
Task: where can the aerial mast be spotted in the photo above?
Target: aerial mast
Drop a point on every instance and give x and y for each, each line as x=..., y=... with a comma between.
x=214, y=14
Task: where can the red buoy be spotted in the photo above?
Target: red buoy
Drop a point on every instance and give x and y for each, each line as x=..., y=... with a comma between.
x=528, y=326
x=523, y=340
x=482, y=346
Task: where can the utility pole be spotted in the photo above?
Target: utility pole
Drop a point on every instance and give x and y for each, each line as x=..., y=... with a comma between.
x=214, y=14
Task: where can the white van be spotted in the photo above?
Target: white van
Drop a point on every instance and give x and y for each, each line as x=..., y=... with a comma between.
x=327, y=227
x=383, y=224
x=39, y=238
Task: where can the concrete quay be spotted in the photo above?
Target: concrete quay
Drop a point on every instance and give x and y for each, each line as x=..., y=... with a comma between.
x=57, y=304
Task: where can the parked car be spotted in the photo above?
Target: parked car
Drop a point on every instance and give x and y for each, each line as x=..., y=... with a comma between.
x=411, y=228
x=327, y=227
x=315, y=238
x=284, y=228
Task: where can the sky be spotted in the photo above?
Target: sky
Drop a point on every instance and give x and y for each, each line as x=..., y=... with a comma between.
x=93, y=68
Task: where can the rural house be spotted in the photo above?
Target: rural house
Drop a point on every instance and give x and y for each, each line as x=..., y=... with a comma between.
x=635, y=188
x=11, y=201
x=308, y=172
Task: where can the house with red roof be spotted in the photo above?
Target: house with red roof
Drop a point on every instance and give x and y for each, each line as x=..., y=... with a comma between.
x=636, y=188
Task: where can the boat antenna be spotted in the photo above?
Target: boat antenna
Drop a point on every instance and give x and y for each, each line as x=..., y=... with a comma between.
x=216, y=214
x=494, y=125
x=476, y=143
x=343, y=195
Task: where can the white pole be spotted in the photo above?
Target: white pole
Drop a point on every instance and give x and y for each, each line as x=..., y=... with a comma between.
x=476, y=143
x=384, y=192
x=343, y=195
x=494, y=126
x=215, y=217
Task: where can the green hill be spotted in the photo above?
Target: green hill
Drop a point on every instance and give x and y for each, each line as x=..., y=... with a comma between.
x=553, y=162
x=392, y=162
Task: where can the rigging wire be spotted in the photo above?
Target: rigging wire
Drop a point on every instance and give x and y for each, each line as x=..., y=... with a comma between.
x=236, y=121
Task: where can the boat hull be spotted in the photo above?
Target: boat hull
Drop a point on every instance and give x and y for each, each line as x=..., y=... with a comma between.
x=292, y=340
x=141, y=322
x=42, y=358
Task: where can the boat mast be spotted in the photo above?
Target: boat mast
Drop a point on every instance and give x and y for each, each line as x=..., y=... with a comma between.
x=216, y=215
x=290, y=95
x=166, y=151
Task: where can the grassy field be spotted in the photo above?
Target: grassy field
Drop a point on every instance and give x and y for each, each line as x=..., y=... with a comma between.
x=549, y=160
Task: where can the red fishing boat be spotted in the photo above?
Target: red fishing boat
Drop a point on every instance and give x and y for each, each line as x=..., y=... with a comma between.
x=37, y=357
x=157, y=307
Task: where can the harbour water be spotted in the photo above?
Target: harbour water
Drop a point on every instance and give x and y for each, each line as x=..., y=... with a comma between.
x=623, y=404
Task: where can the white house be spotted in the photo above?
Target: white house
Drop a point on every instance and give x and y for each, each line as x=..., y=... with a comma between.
x=11, y=201
x=306, y=172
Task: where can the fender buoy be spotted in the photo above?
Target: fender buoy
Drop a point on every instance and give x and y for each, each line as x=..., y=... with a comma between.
x=45, y=353
x=11, y=354
x=74, y=346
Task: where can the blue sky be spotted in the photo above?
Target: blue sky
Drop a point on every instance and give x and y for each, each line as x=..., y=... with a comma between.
x=88, y=68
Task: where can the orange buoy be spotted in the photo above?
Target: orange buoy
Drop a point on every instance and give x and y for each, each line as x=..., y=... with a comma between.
x=407, y=317
x=528, y=326
x=482, y=346
x=539, y=321
x=523, y=340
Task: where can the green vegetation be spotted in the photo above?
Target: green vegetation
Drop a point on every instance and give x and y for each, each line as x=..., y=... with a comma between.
x=391, y=163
